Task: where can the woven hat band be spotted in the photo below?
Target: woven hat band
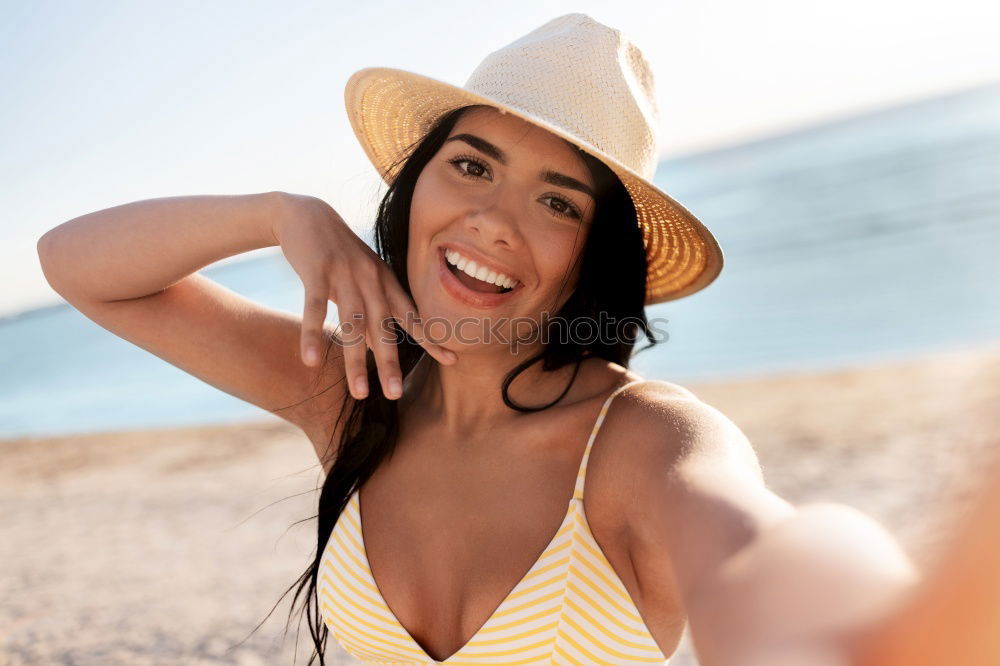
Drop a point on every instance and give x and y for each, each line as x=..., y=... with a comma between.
x=541, y=75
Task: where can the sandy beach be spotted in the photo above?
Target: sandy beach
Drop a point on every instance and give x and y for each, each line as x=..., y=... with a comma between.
x=168, y=547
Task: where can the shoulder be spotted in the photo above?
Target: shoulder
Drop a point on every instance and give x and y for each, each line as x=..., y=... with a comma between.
x=677, y=481
x=653, y=423
x=655, y=431
x=600, y=378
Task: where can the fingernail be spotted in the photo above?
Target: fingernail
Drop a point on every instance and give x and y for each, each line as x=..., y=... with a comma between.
x=361, y=386
x=395, y=388
x=311, y=355
x=450, y=355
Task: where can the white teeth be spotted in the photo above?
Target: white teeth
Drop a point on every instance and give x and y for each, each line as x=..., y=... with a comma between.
x=470, y=267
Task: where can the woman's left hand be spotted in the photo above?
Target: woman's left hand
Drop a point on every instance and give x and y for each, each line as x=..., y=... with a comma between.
x=954, y=615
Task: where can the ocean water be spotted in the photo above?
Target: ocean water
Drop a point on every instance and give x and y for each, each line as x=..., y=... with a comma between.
x=869, y=238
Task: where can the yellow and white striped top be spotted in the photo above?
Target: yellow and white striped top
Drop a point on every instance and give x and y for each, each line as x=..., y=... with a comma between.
x=570, y=608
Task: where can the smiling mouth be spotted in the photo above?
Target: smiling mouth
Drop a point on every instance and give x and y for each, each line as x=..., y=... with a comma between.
x=474, y=283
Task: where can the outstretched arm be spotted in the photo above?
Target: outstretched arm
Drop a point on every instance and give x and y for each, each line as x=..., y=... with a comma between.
x=954, y=616
x=763, y=583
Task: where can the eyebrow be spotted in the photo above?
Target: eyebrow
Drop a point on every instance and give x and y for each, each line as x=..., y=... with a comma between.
x=547, y=175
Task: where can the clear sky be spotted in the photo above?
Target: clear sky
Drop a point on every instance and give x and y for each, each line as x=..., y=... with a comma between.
x=110, y=102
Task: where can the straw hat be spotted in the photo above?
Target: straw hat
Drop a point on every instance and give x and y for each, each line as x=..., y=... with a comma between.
x=580, y=80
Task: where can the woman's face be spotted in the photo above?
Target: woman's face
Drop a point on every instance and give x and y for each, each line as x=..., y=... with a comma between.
x=506, y=195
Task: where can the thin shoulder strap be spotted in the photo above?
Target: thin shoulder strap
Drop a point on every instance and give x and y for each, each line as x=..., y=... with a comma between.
x=582, y=472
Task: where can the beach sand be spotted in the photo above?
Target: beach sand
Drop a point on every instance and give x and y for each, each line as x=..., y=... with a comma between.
x=168, y=547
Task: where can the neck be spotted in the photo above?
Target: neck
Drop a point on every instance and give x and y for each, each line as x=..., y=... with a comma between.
x=466, y=397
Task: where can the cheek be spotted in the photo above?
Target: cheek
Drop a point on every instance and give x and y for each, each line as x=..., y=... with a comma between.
x=560, y=248
x=418, y=206
x=430, y=204
x=424, y=210
x=417, y=236
x=429, y=215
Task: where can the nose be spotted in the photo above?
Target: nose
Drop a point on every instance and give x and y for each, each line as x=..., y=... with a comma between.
x=494, y=220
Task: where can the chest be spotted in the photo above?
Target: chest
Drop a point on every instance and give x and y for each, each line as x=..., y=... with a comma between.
x=449, y=535
x=448, y=539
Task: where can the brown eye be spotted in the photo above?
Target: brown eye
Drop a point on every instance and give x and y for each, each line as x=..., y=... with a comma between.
x=476, y=169
x=562, y=207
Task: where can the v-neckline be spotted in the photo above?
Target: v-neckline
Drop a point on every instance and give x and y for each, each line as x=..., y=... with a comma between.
x=567, y=517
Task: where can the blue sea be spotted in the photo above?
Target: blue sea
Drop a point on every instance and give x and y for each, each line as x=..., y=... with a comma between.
x=870, y=238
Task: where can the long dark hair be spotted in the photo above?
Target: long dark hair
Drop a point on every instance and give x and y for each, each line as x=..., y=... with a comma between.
x=612, y=280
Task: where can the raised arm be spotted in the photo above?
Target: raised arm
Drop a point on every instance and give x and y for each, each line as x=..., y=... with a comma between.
x=141, y=248
x=763, y=583
x=132, y=270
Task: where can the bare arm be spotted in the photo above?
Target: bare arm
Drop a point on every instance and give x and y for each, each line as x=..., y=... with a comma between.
x=141, y=248
x=763, y=583
x=954, y=615
x=132, y=269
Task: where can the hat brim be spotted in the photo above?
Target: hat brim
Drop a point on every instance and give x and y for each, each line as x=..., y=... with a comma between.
x=391, y=110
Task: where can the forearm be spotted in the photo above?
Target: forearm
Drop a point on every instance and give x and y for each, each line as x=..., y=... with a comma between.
x=140, y=248
x=801, y=591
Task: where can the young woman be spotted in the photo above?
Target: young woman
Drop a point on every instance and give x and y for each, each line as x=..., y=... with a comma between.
x=527, y=498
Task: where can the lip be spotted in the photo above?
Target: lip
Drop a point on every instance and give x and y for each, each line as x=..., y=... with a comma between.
x=458, y=291
x=480, y=260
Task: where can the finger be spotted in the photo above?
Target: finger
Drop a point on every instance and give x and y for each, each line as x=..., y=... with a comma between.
x=382, y=341
x=313, y=316
x=351, y=313
x=405, y=312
